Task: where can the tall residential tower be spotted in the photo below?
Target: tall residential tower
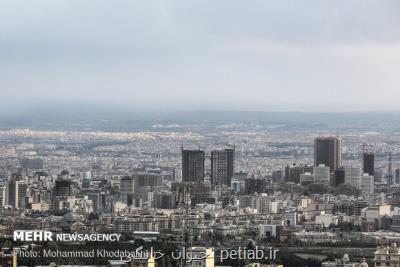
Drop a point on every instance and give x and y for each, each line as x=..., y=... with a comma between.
x=328, y=151
x=222, y=166
x=192, y=166
x=369, y=163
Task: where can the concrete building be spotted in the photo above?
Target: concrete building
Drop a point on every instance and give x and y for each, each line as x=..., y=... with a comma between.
x=321, y=174
x=367, y=184
x=16, y=193
x=344, y=262
x=165, y=200
x=147, y=180
x=238, y=186
x=222, y=166
x=369, y=163
x=3, y=196
x=127, y=188
x=352, y=176
x=247, y=201
x=339, y=177
x=63, y=188
x=328, y=151
x=178, y=174
x=306, y=178
x=267, y=230
x=325, y=220
x=387, y=256
x=397, y=176
x=61, y=192
x=192, y=166
x=264, y=204
x=253, y=185
x=294, y=171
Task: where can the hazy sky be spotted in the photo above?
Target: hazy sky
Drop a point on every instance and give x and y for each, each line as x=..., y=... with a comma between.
x=209, y=54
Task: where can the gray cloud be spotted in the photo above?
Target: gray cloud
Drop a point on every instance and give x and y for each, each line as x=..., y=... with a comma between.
x=252, y=55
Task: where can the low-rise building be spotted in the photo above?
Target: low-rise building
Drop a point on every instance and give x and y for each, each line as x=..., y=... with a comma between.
x=387, y=256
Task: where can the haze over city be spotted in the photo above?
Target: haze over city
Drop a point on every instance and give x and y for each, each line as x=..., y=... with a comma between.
x=180, y=133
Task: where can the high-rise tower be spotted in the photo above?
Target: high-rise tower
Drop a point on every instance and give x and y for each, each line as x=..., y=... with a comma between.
x=369, y=163
x=390, y=170
x=222, y=166
x=328, y=151
x=16, y=193
x=127, y=189
x=192, y=166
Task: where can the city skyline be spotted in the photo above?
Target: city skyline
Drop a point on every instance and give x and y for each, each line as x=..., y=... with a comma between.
x=154, y=133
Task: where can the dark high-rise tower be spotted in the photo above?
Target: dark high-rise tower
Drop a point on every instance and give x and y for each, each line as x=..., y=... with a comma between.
x=63, y=188
x=16, y=193
x=328, y=151
x=369, y=163
x=192, y=166
x=340, y=175
x=222, y=166
x=390, y=170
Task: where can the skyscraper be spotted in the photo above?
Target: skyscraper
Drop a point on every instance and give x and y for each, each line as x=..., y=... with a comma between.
x=397, y=176
x=192, y=166
x=328, y=151
x=177, y=173
x=61, y=191
x=127, y=188
x=369, y=163
x=3, y=200
x=63, y=188
x=222, y=166
x=16, y=193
